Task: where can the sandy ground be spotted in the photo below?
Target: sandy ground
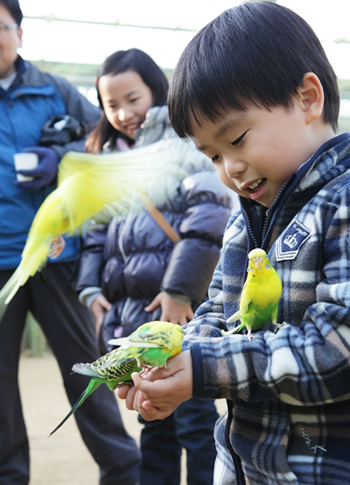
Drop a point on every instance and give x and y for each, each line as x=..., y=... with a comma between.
x=63, y=458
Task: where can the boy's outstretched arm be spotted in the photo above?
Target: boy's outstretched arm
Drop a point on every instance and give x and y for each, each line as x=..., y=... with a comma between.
x=162, y=390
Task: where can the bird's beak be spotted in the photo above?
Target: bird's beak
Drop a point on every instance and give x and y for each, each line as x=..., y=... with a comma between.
x=258, y=261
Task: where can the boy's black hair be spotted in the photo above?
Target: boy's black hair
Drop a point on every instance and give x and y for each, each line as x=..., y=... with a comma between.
x=14, y=9
x=257, y=52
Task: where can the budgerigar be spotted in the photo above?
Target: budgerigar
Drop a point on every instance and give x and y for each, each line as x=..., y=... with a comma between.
x=86, y=183
x=260, y=295
x=151, y=345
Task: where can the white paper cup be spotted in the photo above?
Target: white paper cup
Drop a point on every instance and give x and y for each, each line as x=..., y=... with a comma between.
x=25, y=161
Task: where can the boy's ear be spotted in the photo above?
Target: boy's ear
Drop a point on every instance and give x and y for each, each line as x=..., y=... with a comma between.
x=311, y=96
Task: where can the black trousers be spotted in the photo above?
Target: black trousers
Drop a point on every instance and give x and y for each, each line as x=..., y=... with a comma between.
x=70, y=331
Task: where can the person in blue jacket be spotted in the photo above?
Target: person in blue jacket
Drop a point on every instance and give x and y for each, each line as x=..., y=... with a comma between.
x=132, y=272
x=28, y=99
x=268, y=121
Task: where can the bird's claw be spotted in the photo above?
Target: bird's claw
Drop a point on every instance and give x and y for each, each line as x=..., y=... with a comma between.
x=278, y=326
x=145, y=369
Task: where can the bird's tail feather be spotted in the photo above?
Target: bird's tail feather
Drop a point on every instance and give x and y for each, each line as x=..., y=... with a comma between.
x=33, y=258
x=93, y=385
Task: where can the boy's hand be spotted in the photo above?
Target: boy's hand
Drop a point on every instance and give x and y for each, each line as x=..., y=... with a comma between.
x=162, y=390
x=172, y=311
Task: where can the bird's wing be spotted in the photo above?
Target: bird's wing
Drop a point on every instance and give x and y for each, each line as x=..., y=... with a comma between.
x=234, y=317
x=85, y=370
x=86, y=184
x=163, y=334
x=246, y=297
x=154, y=334
x=116, y=367
x=126, y=342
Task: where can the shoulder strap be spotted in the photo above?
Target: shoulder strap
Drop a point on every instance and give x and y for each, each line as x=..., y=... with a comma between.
x=160, y=219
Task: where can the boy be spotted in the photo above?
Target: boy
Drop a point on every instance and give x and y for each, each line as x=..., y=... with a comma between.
x=256, y=93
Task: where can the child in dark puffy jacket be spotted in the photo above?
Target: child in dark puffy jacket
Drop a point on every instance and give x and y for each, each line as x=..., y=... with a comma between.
x=132, y=272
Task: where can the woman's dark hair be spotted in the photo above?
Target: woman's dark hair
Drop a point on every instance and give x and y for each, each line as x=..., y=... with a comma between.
x=117, y=63
x=257, y=52
x=14, y=9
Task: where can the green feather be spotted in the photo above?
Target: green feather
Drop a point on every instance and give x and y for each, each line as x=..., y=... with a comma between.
x=100, y=373
x=151, y=345
x=260, y=296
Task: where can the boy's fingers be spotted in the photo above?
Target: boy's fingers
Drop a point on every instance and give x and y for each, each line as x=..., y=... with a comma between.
x=123, y=390
x=150, y=413
x=139, y=382
x=153, y=384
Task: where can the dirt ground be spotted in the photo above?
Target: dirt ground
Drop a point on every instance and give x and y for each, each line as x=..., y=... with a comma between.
x=63, y=458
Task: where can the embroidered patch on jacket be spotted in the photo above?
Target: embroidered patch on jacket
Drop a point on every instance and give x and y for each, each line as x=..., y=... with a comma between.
x=288, y=245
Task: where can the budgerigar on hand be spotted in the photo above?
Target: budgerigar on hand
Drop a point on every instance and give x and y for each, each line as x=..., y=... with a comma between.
x=260, y=296
x=151, y=345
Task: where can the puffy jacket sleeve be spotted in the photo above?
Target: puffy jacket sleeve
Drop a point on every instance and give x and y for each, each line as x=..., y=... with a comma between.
x=78, y=106
x=92, y=259
x=193, y=260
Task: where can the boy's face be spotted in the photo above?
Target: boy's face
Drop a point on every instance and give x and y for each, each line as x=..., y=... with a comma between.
x=255, y=151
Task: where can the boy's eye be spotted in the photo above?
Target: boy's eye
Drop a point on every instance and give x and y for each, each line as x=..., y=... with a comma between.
x=133, y=100
x=238, y=140
x=215, y=159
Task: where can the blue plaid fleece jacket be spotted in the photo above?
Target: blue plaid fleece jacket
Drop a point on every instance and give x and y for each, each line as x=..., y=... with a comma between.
x=288, y=393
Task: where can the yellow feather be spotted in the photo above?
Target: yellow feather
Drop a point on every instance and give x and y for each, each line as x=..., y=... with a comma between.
x=86, y=184
x=260, y=295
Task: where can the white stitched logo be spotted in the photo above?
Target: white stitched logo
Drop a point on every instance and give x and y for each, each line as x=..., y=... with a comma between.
x=291, y=241
x=288, y=245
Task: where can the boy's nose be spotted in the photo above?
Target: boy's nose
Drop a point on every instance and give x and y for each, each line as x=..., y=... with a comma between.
x=233, y=167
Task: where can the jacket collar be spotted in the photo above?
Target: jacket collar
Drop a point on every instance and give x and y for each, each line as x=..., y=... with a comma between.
x=320, y=169
x=21, y=67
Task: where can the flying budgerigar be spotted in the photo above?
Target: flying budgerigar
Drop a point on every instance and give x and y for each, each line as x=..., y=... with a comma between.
x=86, y=183
x=151, y=345
x=260, y=296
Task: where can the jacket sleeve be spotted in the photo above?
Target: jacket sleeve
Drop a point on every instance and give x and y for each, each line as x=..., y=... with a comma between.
x=92, y=259
x=194, y=257
x=79, y=107
x=307, y=362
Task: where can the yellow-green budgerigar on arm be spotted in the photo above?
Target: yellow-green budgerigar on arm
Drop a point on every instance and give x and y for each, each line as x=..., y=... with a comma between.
x=260, y=295
x=151, y=345
x=86, y=183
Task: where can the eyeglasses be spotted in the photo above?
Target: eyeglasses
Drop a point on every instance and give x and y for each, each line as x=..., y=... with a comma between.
x=5, y=28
